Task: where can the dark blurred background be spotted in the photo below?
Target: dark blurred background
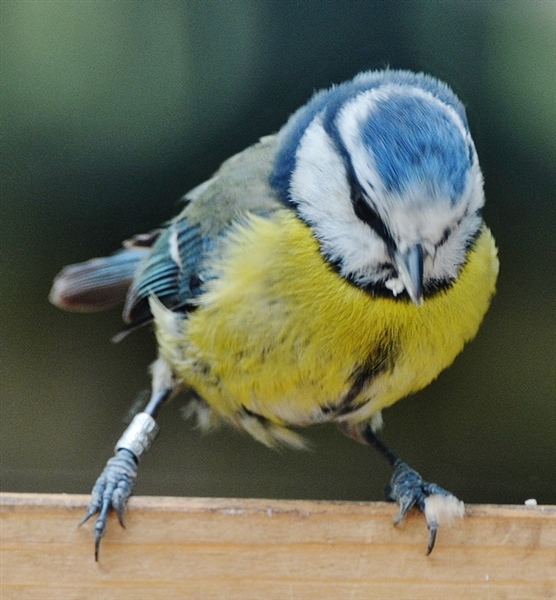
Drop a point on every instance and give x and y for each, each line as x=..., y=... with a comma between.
x=111, y=110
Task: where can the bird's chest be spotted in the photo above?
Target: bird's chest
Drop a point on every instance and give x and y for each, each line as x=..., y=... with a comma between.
x=281, y=335
x=278, y=333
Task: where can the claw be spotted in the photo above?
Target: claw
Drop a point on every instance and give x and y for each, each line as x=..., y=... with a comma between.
x=111, y=490
x=97, y=544
x=119, y=502
x=90, y=512
x=409, y=489
x=432, y=539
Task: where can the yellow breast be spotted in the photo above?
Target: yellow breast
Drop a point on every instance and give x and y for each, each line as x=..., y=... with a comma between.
x=280, y=334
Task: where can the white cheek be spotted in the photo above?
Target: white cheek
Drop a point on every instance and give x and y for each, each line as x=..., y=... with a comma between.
x=319, y=184
x=320, y=188
x=451, y=255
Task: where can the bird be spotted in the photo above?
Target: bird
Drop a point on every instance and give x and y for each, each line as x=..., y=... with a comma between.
x=320, y=275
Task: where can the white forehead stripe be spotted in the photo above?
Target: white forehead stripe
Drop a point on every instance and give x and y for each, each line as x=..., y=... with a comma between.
x=400, y=136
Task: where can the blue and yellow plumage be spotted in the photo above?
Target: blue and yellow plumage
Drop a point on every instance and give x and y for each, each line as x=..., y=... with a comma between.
x=320, y=275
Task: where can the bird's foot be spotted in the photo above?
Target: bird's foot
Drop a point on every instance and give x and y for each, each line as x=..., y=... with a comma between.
x=112, y=490
x=409, y=489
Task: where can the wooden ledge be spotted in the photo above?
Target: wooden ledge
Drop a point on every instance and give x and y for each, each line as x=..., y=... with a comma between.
x=207, y=548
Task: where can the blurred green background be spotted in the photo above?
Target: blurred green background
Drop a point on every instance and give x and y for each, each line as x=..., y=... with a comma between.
x=111, y=110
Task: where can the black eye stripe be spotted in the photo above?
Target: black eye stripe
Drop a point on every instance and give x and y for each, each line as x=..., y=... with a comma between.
x=370, y=217
x=445, y=236
x=364, y=211
x=449, y=230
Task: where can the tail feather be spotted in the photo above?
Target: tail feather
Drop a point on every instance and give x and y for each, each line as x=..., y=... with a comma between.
x=97, y=284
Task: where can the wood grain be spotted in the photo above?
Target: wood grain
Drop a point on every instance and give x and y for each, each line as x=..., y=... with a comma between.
x=248, y=549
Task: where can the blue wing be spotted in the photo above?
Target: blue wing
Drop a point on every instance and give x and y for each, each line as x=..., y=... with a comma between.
x=167, y=263
x=171, y=263
x=173, y=272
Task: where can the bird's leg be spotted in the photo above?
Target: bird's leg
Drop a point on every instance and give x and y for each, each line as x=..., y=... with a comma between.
x=409, y=489
x=115, y=484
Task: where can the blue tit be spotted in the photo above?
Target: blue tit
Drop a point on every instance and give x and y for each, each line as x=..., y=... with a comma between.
x=320, y=275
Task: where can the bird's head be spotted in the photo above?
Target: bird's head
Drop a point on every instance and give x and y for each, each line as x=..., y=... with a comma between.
x=384, y=171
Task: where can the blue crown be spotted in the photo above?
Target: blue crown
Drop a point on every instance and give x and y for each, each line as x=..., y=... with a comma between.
x=418, y=141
